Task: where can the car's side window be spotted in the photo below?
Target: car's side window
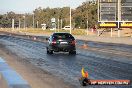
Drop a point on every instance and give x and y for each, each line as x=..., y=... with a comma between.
x=50, y=39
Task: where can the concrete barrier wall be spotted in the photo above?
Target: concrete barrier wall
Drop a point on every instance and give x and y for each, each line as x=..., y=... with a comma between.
x=10, y=78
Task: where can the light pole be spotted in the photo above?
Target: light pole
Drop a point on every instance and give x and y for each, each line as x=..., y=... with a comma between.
x=33, y=20
x=87, y=27
x=87, y=14
x=19, y=23
x=70, y=20
x=58, y=24
x=119, y=16
x=24, y=22
x=13, y=24
x=61, y=23
x=37, y=23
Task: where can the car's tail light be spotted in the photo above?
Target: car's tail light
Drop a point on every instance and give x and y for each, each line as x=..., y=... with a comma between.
x=73, y=42
x=53, y=42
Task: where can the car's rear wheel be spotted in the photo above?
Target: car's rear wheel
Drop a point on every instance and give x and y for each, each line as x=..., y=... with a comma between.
x=72, y=52
x=49, y=51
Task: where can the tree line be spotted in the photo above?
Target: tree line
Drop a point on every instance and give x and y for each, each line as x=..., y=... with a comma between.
x=83, y=13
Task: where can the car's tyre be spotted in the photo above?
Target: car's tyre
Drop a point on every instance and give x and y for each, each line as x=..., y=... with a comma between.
x=72, y=52
x=49, y=51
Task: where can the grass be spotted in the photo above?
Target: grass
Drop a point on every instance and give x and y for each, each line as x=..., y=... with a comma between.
x=41, y=31
x=125, y=32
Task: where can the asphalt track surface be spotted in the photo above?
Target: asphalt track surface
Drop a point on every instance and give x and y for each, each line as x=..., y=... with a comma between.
x=101, y=60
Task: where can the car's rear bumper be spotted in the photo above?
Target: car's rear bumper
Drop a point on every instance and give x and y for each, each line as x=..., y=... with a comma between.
x=64, y=48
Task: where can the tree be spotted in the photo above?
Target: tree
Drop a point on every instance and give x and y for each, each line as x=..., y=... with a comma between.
x=43, y=15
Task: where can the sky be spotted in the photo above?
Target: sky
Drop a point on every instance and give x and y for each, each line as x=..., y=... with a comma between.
x=27, y=6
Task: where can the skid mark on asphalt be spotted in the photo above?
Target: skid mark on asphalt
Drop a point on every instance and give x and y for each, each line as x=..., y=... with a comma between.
x=99, y=65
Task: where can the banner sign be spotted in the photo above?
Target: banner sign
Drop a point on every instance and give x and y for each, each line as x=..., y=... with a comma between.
x=108, y=25
x=126, y=25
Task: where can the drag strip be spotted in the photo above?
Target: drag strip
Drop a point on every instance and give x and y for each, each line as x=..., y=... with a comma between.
x=101, y=60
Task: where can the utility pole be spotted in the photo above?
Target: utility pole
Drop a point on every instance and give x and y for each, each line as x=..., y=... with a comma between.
x=37, y=24
x=87, y=27
x=13, y=24
x=119, y=16
x=33, y=20
x=70, y=20
x=111, y=32
x=58, y=24
x=61, y=24
x=19, y=23
x=87, y=15
x=24, y=22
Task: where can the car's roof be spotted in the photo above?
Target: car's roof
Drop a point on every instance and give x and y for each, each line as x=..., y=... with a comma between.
x=61, y=33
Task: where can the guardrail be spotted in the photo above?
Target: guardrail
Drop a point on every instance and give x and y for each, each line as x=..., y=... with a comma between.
x=10, y=78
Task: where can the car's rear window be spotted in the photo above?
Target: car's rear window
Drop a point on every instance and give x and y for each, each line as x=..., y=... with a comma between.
x=62, y=36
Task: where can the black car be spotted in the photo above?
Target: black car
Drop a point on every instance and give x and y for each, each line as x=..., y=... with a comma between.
x=64, y=42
